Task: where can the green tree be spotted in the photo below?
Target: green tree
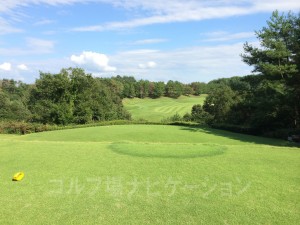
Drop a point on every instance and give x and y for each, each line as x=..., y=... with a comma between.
x=4, y=106
x=187, y=90
x=81, y=90
x=74, y=96
x=267, y=106
x=159, y=89
x=51, y=100
x=199, y=115
x=14, y=97
x=174, y=89
x=278, y=57
x=128, y=86
x=142, y=88
x=115, y=85
x=218, y=104
x=199, y=88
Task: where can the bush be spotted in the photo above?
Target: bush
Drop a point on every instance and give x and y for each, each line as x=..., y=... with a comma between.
x=187, y=117
x=13, y=127
x=16, y=127
x=200, y=116
x=176, y=117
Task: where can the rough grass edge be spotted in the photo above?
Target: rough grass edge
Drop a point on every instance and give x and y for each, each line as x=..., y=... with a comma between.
x=22, y=128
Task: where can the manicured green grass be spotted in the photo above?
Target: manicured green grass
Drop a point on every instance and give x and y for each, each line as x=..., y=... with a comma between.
x=148, y=174
x=157, y=109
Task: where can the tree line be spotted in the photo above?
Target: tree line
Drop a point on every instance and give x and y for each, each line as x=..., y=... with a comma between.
x=73, y=96
x=129, y=87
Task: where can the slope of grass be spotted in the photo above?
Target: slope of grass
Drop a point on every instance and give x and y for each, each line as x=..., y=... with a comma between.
x=157, y=109
x=138, y=174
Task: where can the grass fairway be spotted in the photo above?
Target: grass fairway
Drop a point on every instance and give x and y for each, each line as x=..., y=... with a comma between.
x=155, y=110
x=138, y=174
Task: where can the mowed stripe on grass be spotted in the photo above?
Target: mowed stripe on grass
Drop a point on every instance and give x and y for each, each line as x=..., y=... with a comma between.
x=157, y=109
x=138, y=174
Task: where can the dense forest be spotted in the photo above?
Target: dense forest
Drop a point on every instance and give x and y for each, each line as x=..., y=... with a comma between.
x=265, y=102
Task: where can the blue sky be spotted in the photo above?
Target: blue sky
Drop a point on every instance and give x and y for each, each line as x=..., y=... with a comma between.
x=158, y=40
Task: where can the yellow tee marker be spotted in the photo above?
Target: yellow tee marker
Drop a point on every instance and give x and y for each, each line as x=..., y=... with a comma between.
x=18, y=176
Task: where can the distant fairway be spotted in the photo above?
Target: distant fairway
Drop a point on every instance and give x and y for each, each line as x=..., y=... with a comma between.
x=157, y=109
x=138, y=174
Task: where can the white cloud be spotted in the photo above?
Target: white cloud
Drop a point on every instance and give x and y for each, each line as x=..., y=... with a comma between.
x=13, y=10
x=8, y=6
x=198, y=63
x=169, y=11
x=5, y=66
x=44, y=22
x=41, y=45
x=22, y=67
x=151, y=64
x=140, y=51
x=271, y=5
x=148, y=65
x=49, y=32
x=149, y=41
x=158, y=12
x=225, y=36
x=46, y=65
x=93, y=61
x=6, y=28
x=33, y=46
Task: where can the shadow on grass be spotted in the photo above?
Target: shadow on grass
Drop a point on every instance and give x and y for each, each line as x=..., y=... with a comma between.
x=168, y=151
x=239, y=137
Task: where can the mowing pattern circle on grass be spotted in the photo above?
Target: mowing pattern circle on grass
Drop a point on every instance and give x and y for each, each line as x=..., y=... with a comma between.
x=167, y=150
